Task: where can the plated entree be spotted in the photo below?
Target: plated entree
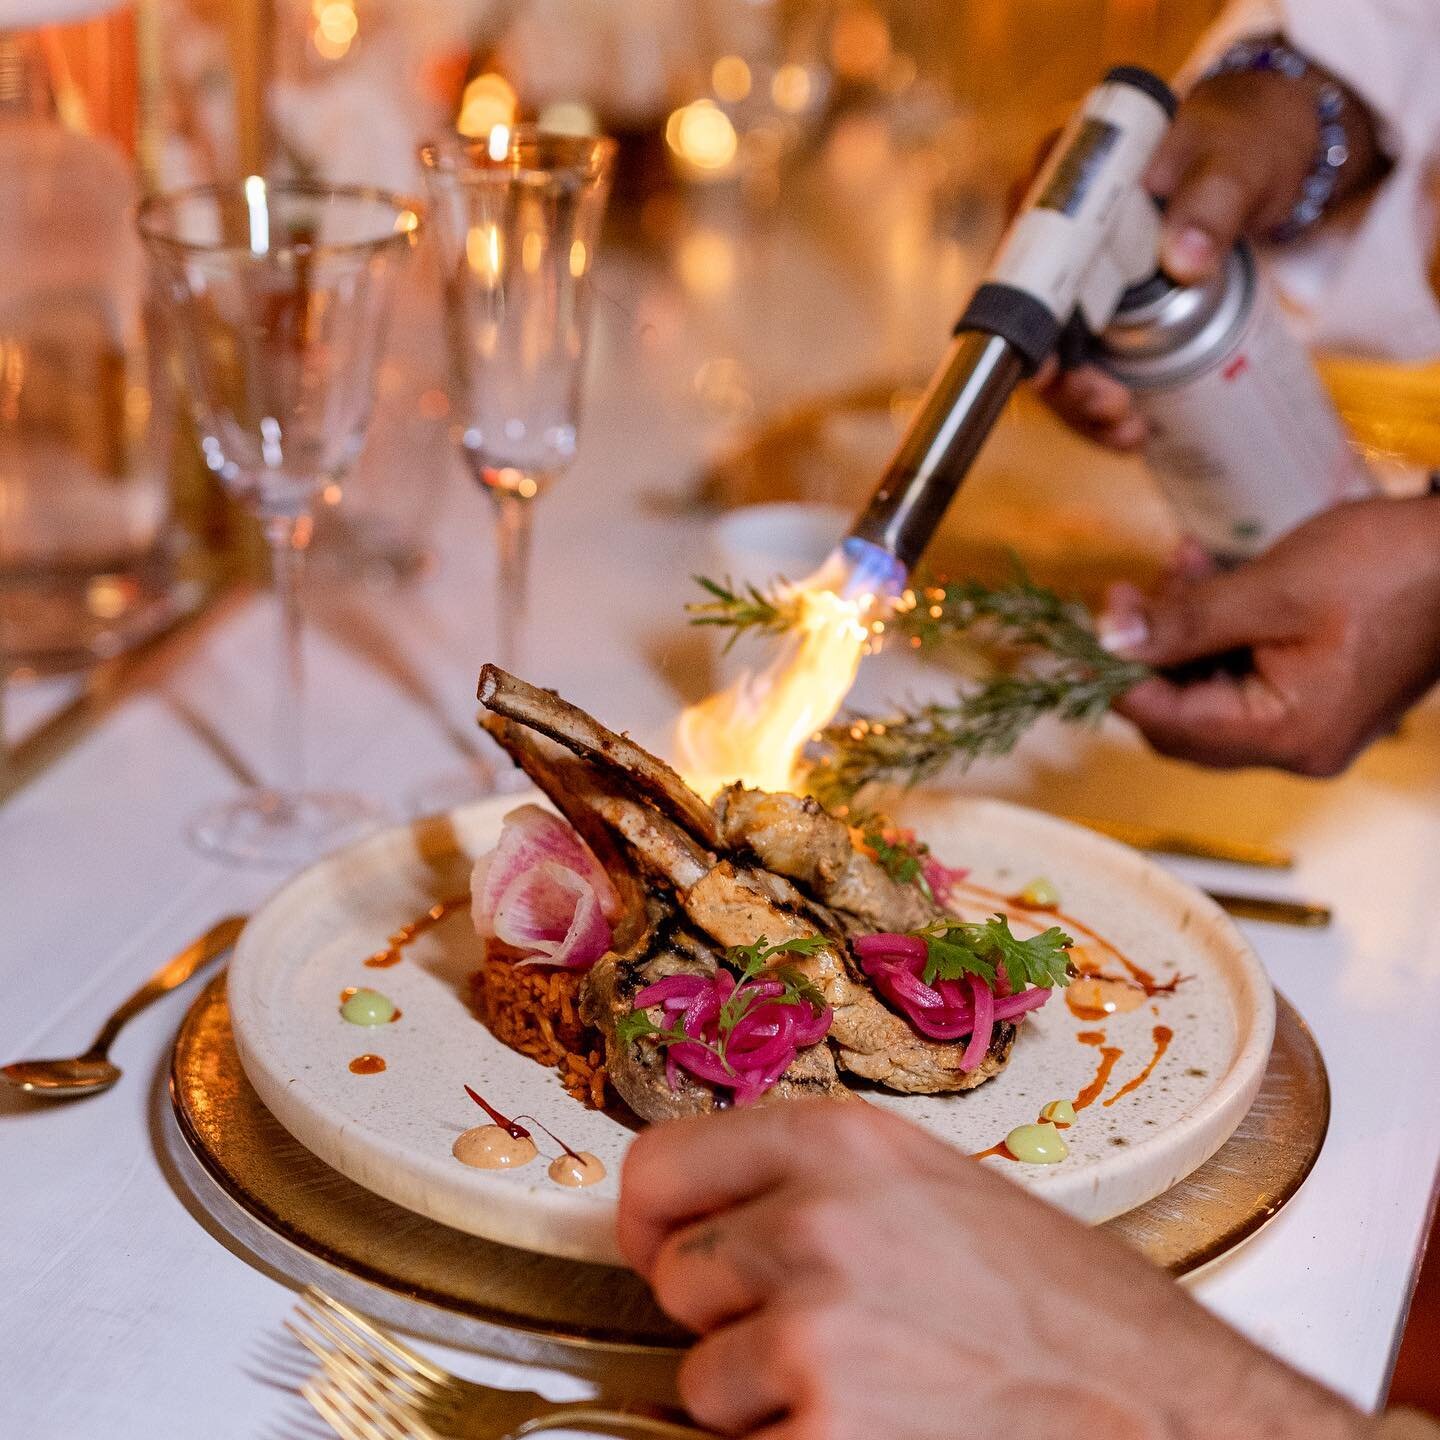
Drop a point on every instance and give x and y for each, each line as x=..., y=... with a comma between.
x=693, y=955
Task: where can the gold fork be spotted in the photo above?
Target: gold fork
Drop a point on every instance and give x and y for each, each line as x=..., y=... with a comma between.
x=371, y=1387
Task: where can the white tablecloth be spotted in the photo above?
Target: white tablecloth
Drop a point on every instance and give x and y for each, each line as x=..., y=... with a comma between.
x=125, y=1316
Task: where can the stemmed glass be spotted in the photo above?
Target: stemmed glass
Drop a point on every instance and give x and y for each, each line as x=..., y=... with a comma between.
x=277, y=293
x=516, y=218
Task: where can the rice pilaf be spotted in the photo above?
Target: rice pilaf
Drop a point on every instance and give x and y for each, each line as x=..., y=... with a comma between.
x=535, y=1009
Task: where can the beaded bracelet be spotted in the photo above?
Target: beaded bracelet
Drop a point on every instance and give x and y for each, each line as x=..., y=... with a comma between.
x=1276, y=57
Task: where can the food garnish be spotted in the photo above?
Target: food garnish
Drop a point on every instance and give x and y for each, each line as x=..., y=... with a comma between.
x=543, y=893
x=368, y=1007
x=955, y=978
x=1059, y=1112
x=572, y=1168
x=1049, y=662
x=956, y=947
x=904, y=857
x=746, y=608
x=1037, y=1144
x=491, y=1147
x=1040, y=894
x=898, y=853
x=576, y=1168
x=741, y=1035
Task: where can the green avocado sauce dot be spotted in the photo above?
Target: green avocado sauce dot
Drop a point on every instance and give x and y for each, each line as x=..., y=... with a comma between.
x=1037, y=1144
x=368, y=1007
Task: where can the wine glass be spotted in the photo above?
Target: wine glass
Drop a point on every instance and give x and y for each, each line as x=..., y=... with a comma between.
x=277, y=293
x=516, y=217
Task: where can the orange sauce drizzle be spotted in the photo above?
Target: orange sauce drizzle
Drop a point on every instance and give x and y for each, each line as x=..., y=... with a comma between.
x=367, y=1065
x=1163, y=1036
x=999, y=1150
x=412, y=931
x=1109, y=1054
x=1012, y=902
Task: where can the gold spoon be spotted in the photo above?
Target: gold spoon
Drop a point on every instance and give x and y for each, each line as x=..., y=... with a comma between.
x=92, y=1072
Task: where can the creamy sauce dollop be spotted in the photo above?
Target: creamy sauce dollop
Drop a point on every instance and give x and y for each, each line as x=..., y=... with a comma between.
x=489, y=1147
x=576, y=1171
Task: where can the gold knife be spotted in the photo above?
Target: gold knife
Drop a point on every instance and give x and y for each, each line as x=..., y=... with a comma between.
x=1306, y=914
x=1182, y=842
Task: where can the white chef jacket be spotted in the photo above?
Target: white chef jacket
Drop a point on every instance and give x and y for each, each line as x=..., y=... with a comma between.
x=1361, y=281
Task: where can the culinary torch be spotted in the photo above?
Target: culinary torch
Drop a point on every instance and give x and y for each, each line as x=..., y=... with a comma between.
x=1086, y=233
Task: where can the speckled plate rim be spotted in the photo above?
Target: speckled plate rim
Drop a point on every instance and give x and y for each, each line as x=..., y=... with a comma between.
x=1183, y=1145
x=593, y=1336
x=577, y=1225
x=205, y=1042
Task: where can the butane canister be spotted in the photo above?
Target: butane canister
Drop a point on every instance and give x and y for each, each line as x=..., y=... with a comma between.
x=1245, y=442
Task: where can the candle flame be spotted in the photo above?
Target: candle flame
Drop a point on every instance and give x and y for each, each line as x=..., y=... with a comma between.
x=755, y=732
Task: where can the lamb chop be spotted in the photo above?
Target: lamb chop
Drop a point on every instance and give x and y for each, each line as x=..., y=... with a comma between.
x=637, y=1069
x=660, y=946
x=797, y=837
x=804, y=884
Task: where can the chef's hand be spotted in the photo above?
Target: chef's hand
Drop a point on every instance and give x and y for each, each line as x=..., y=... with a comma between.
x=1232, y=165
x=852, y=1277
x=1341, y=619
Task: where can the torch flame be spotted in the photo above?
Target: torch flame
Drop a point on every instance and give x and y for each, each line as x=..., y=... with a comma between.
x=756, y=731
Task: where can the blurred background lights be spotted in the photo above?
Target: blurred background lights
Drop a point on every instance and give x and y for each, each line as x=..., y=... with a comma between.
x=791, y=88
x=336, y=26
x=702, y=135
x=489, y=100
x=730, y=78
x=860, y=43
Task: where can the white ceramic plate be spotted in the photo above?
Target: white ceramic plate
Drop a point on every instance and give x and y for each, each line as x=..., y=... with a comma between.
x=392, y=1131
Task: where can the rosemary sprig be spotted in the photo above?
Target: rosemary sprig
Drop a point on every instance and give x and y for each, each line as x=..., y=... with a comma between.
x=747, y=610
x=915, y=745
x=1054, y=665
x=1060, y=669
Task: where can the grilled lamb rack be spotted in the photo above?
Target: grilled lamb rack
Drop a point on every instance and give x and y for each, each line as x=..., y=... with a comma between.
x=755, y=864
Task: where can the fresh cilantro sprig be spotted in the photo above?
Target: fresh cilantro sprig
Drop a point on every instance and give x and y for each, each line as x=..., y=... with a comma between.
x=637, y=1025
x=956, y=948
x=902, y=859
x=750, y=961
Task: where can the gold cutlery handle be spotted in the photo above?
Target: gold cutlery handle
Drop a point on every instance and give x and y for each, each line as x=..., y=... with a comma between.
x=1195, y=847
x=219, y=938
x=1303, y=913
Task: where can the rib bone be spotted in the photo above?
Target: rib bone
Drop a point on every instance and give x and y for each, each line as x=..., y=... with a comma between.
x=584, y=796
x=546, y=712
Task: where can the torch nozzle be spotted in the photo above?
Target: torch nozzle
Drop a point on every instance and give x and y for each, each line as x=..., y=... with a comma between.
x=957, y=414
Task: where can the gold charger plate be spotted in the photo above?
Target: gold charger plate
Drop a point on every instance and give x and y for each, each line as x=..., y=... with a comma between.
x=271, y=1176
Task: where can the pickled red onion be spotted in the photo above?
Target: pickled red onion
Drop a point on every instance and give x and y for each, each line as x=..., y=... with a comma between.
x=756, y=1051
x=944, y=1009
x=979, y=1044
x=941, y=878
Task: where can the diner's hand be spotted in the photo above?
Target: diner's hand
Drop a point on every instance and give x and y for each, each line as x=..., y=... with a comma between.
x=1341, y=620
x=1232, y=165
x=852, y=1276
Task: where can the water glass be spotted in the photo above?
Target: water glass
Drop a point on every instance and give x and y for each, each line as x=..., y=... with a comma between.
x=278, y=295
x=517, y=217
